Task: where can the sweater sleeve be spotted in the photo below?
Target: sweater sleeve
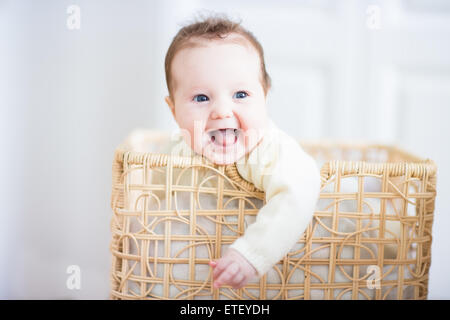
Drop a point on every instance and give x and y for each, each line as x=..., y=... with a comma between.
x=291, y=181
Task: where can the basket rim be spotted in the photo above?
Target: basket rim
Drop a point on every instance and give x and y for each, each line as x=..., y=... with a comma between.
x=417, y=168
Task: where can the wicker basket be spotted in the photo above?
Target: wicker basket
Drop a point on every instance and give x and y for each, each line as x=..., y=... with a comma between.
x=370, y=237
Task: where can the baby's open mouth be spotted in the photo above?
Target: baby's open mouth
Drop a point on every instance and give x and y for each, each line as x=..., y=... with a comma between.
x=224, y=137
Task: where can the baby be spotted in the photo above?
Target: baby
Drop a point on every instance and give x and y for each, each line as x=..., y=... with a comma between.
x=218, y=84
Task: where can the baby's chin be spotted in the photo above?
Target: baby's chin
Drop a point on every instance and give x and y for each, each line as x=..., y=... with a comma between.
x=224, y=155
x=224, y=159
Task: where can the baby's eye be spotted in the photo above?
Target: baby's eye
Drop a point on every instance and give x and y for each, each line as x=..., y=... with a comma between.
x=200, y=98
x=241, y=94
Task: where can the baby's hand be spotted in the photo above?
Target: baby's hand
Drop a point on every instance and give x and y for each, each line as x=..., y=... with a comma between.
x=232, y=269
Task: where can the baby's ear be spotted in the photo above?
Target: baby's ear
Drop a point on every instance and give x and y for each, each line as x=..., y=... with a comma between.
x=170, y=104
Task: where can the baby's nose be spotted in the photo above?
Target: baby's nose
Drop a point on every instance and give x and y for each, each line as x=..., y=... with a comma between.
x=221, y=111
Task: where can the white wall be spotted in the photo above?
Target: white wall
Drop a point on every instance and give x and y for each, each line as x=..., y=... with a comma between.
x=68, y=98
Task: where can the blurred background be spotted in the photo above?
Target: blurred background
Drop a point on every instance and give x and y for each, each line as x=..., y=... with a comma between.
x=77, y=76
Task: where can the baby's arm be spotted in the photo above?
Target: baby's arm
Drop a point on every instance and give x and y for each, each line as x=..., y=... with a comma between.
x=292, y=186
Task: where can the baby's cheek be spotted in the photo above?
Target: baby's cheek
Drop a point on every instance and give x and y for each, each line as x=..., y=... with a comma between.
x=253, y=119
x=195, y=139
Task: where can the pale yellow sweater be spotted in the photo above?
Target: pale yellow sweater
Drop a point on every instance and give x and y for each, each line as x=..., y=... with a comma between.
x=291, y=181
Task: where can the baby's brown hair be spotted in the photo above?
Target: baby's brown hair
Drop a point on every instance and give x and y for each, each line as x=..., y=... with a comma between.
x=212, y=28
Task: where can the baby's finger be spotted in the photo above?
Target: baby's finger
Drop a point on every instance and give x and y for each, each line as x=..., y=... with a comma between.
x=226, y=276
x=241, y=284
x=237, y=279
x=220, y=267
x=212, y=264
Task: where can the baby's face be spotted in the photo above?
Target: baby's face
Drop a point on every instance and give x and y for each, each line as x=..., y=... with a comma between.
x=218, y=99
